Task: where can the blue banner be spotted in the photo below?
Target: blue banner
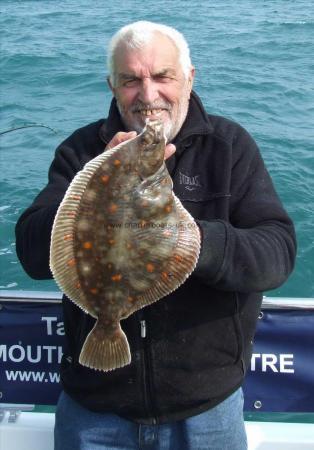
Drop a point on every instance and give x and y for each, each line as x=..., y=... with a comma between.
x=280, y=379
x=281, y=376
x=31, y=338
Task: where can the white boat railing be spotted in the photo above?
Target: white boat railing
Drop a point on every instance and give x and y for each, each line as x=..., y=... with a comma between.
x=56, y=297
x=25, y=427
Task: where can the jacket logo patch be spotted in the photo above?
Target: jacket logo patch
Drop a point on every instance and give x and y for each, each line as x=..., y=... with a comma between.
x=190, y=183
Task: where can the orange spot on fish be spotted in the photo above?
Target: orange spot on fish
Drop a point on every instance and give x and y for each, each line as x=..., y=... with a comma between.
x=68, y=237
x=78, y=285
x=76, y=197
x=71, y=214
x=164, y=275
x=128, y=245
x=131, y=299
x=117, y=162
x=111, y=241
x=87, y=245
x=167, y=233
x=178, y=258
x=112, y=208
x=71, y=262
x=143, y=223
x=168, y=208
x=116, y=277
x=93, y=291
x=150, y=267
x=105, y=179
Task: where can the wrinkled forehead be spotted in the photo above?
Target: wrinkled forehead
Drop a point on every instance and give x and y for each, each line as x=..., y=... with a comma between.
x=158, y=53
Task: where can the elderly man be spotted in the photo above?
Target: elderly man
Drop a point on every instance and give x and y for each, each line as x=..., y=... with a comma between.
x=183, y=387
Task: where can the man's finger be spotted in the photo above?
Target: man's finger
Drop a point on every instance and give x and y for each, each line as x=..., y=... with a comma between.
x=169, y=151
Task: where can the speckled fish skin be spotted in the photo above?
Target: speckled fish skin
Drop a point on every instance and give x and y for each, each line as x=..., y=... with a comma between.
x=121, y=240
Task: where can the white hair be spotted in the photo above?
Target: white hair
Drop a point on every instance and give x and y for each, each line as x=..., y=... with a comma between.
x=136, y=35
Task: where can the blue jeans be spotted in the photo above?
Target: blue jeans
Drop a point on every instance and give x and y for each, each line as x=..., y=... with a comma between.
x=220, y=428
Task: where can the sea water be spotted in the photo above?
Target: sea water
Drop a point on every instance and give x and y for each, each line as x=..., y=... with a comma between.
x=254, y=64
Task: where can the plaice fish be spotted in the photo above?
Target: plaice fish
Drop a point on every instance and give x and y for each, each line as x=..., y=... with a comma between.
x=121, y=240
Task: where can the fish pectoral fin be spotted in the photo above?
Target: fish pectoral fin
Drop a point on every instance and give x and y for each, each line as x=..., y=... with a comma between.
x=105, y=351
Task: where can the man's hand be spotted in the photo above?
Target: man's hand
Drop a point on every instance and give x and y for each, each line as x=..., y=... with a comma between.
x=169, y=151
x=122, y=136
x=119, y=138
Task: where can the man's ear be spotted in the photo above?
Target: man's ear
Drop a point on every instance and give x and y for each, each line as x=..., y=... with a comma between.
x=110, y=86
x=191, y=79
x=191, y=76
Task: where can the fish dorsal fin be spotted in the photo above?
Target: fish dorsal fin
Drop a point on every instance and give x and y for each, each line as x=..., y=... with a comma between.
x=62, y=254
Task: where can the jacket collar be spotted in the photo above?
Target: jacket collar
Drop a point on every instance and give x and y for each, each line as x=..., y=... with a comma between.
x=112, y=125
x=196, y=122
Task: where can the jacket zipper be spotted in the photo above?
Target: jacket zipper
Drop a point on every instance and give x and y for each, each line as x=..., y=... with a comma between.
x=143, y=328
x=147, y=382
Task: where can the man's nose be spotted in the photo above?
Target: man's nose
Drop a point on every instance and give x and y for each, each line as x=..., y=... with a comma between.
x=149, y=91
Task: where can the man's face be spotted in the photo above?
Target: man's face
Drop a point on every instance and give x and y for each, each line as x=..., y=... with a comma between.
x=149, y=83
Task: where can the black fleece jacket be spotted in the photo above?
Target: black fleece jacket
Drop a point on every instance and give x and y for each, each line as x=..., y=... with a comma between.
x=198, y=339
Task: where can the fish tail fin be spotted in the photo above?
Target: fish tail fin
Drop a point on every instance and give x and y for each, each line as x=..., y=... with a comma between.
x=103, y=351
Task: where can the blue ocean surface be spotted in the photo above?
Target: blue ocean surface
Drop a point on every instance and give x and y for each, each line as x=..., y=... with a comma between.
x=254, y=64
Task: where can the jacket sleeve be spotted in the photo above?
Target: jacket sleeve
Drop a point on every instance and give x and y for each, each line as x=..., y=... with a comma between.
x=255, y=249
x=33, y=228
